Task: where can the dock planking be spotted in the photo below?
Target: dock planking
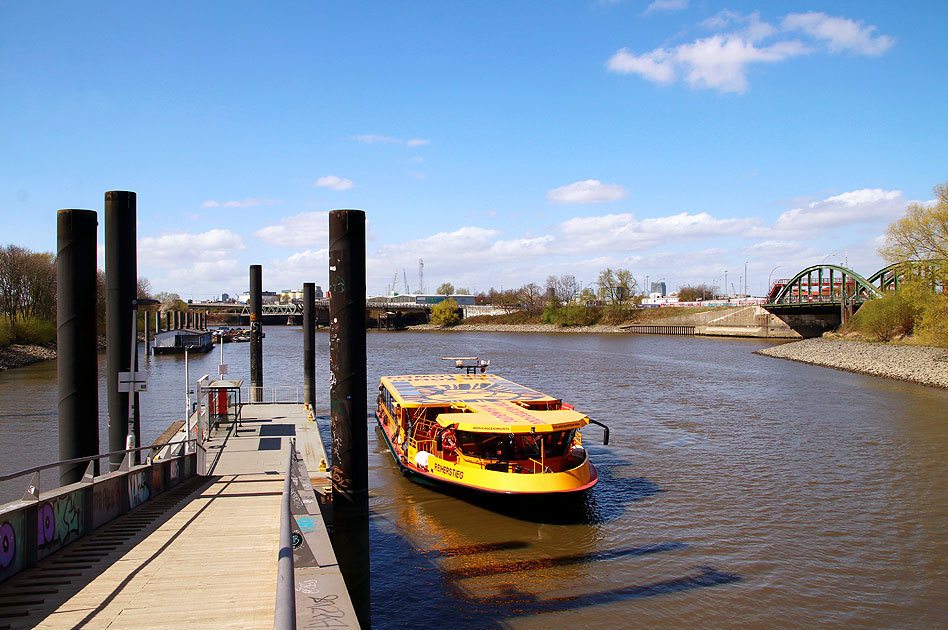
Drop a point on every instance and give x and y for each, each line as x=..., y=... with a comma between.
x=210, y=559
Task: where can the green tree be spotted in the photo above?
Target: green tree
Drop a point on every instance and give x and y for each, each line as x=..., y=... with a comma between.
x=531, y=297
x=587, y=296
x=562, y=289
x=922, y=234
x=617, y=287
x=170, y=302
x=694, y=293
x=446, y=288
x=445, y=313
x=27, y=284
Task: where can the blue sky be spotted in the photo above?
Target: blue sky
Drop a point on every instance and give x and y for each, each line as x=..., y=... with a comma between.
x=499, y=142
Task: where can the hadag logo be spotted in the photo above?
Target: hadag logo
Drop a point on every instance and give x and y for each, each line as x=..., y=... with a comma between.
x=467, y=392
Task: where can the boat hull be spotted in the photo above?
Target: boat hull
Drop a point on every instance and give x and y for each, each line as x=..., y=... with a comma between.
x=443, y=472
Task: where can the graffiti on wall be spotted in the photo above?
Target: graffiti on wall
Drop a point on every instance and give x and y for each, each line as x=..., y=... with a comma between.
x=59, y=522
x=157, y=478
x=106, y=502
x=7, y=545
x=138, y=490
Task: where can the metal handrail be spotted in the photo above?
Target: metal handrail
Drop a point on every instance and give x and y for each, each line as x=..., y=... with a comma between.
x=89, y=458
x=263, y=391
x=605, y=431
x=284, y=615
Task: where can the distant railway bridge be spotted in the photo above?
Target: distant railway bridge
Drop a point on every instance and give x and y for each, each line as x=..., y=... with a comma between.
x=820, y=298
x=383, y=313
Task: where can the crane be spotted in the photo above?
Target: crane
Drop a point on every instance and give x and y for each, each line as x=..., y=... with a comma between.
x=405, y=278
x=421, y=276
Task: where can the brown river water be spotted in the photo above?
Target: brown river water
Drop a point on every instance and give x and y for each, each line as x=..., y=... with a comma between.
x=736, y=491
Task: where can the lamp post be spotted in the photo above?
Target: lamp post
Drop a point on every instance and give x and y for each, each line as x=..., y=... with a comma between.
x=769, y=286
x=825, y=257
x=745, y=278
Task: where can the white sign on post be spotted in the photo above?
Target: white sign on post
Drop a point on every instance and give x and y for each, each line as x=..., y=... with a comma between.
x=222, y=369
x=132, y=382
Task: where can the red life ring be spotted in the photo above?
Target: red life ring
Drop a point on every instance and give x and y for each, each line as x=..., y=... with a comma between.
x=448, y=440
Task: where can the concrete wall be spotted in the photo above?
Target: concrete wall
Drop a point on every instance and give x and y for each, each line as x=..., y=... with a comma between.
x=32, y=529
x=741, y=321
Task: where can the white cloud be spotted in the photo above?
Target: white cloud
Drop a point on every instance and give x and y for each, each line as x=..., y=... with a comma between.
x=721, y=61
x=307, y=229
x=250, y=202
x=667, y=5
x=310, y=265
x=657, y=66
x=206, y=271
x=587, y=191
x=859, y=206
x=169, y=250
x=749, y=27
x=371, y=138
x=840, y=34
x=333, y=182
x=775, y=248
x=625, y=232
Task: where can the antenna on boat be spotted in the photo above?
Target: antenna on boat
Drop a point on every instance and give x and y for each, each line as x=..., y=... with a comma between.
x=471, y=364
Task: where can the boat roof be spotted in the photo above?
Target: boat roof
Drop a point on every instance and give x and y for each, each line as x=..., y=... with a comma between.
x=424, y=390
x=509, y=417
x=489, y=403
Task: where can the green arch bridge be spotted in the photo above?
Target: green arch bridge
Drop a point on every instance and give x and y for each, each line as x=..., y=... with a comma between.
x=820, y=298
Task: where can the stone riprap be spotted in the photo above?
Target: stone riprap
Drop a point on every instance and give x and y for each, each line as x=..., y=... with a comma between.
x=917, y=364
x=14, y=356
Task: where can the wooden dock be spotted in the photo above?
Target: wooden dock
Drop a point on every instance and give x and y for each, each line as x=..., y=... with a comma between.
x=203, y=555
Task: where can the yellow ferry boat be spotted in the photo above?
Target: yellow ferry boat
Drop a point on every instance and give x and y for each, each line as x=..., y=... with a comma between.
x=482, y=432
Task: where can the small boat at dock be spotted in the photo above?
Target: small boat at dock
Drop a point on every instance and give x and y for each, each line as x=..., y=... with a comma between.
x=482, y=432
x=230, y=335
x=176, y=341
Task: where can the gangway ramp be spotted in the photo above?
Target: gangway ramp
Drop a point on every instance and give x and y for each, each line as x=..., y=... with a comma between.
x=202, y=556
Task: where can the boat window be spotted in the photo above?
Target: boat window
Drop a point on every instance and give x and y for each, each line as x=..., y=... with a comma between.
x=557, y=443
x=387, y=400
x=520, y=446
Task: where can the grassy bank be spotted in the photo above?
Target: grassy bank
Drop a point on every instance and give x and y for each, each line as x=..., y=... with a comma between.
x=27, y=331
x=913, y=315
x=580, y=316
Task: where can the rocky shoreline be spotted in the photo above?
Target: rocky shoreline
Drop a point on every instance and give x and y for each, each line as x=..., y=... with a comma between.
x=14, y=356
x=916, y=364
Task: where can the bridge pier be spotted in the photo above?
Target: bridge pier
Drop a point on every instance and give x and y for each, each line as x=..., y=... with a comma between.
x=810, y=320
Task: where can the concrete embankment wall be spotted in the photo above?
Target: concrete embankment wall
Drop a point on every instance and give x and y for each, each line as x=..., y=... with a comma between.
x=740, y=321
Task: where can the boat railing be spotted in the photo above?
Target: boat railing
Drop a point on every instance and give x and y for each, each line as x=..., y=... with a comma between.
x=605, y=430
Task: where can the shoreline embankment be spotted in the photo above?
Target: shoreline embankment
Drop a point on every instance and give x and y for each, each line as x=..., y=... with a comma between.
x=15, y=355
x=923, y=365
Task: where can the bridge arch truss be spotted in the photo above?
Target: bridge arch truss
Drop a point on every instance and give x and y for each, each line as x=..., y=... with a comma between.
x=827, y=284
